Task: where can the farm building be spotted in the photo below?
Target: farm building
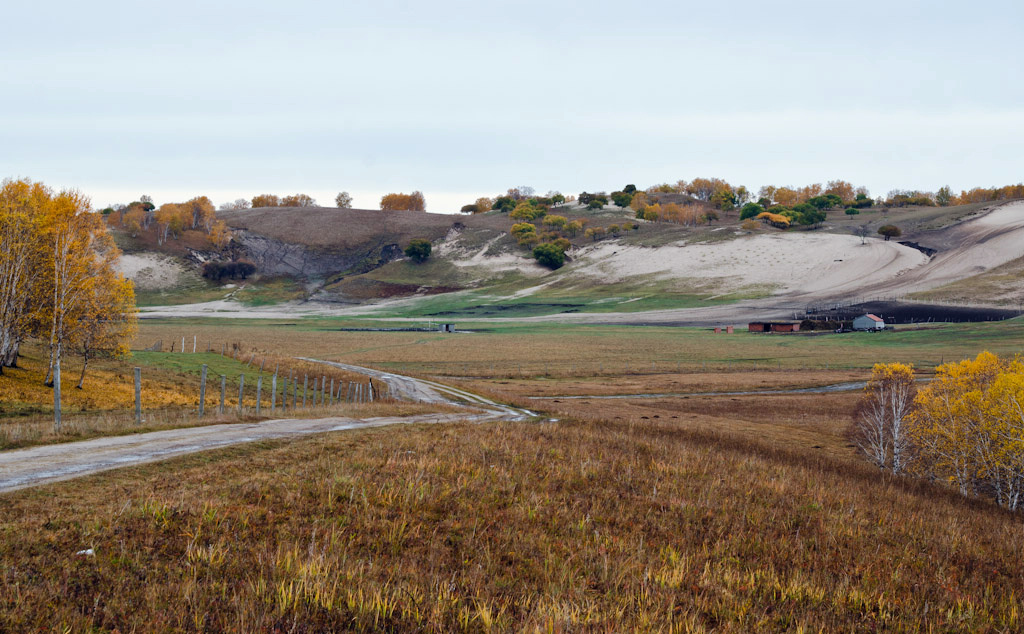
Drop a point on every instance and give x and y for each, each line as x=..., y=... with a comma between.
x=773, y=326
x=868, y=322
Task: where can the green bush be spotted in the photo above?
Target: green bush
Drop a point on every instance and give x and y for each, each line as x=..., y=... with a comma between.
x=549, y=255
x=750, y=210
x=418, y=250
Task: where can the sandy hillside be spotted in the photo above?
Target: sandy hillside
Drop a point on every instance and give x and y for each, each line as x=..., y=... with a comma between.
x=805, y=262
x=969, y=248
x=150, y=271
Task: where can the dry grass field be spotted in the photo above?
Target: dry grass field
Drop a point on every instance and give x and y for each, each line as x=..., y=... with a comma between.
x=685, y=512
x=512, y=350
x=622, y=525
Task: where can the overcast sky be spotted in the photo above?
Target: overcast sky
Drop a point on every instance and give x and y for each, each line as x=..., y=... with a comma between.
x=461, y=99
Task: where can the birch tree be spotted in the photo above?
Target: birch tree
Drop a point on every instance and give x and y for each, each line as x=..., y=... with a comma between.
x=22, y=208
x=79, y=251
x=880, y=423
x=106, y=320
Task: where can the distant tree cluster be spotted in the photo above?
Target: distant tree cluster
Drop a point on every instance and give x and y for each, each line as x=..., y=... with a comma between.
x=172, y=220
x=238, y=203
x=685, y=214
x=272, y=200
x=403, y=202
x=218, y=271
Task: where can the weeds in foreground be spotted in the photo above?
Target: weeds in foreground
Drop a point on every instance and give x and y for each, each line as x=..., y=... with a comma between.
x=554, y=527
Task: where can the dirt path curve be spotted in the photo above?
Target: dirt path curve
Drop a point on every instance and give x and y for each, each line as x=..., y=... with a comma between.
x=23, y=468
x=424, y=391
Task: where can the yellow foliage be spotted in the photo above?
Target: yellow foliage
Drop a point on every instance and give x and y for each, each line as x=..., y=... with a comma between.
x=969, y=427
x=775, y=220
x=403, y=202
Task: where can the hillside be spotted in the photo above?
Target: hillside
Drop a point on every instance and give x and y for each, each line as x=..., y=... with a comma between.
x=341, y=257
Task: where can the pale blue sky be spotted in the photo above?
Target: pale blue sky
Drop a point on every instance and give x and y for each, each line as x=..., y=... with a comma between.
x=460, y=99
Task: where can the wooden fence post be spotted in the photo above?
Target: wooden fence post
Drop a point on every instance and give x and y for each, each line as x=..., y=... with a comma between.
x=223, y=389
x=202, y=391
x=295, y=392
x=183, y=344
x=138, y=396
x=316, y=380
x=369, y=390
x=259, y=391
x=332, y=391
x=194, y=339
x=273, y=391
x=241, y=390
x=305, y=389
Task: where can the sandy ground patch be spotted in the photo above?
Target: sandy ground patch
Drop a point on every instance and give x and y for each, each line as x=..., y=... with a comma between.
x=150, y=271
x=808, y=262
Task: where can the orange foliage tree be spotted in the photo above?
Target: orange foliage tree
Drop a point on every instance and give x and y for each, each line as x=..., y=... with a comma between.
x=403, y=202
x=298, y=200
x=265, y=200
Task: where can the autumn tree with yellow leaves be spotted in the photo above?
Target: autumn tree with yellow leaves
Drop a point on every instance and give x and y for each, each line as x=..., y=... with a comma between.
x=58, y=281
x=968, y=427
x=403, y=202
x=965, y=427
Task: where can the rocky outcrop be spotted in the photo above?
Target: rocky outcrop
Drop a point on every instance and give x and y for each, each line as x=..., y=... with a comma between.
x=274, y=257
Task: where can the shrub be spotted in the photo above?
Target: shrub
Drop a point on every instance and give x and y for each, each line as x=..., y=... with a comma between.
x=418, y=250
x=219, y=270
x=750, y=210
x=504, y=203
x=550, y=255
x=775, y=220
x=851, y=211
x=527, y=211
x=890, y=231
x=555, y=221
x=522, y=228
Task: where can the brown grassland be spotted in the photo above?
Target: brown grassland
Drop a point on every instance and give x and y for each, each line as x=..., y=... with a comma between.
x=623, y=525
x=682, y=512
x=559, y=350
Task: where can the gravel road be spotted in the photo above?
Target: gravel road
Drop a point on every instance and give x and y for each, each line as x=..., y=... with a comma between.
x=34, y=466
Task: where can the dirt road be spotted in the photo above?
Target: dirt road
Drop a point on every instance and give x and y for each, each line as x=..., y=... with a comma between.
x=40, y=465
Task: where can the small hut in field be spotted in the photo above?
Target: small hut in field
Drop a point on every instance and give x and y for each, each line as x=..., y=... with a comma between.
x=773, y=326
x=868, y=322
